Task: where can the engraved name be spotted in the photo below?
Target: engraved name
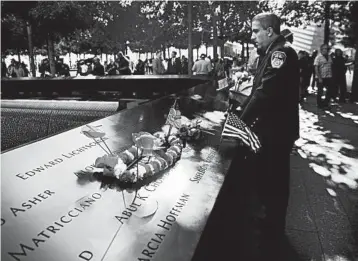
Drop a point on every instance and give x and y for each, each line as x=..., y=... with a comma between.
x=42, y=168
x=202, y=169
x=127, y=213
x=50, y=231
x=200, y=173
x=165, y=224
x=31, y=202
x=154, y=185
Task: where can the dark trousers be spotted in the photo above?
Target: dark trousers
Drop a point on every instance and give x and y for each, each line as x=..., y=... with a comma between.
x=272, y=167
x=329, y=84
x=341, y=84
x=304, y=83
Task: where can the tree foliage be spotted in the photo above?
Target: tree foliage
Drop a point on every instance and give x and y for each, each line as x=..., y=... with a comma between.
x=13, y=35
x=80, y=26
x=298, y=13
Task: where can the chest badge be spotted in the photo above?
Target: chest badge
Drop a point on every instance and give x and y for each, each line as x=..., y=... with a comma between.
x=278, y=59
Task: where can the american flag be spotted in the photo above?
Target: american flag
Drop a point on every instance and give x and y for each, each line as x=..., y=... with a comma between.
x=236, y=128
x=174, y=118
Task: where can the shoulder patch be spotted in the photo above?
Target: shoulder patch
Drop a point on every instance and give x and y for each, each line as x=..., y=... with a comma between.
x=278, y=58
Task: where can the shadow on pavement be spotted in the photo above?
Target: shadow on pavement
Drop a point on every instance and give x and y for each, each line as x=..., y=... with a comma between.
x=329, y=146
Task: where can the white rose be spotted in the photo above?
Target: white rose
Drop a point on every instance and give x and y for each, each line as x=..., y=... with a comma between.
x=119, y=168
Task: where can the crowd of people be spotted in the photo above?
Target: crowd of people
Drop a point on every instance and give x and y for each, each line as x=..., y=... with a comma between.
x=123, y=65
x=318, y=70
x=15, y=69
x=324, y=70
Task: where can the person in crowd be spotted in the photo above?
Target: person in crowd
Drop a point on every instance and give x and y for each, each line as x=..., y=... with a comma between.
x=35, y=65
x=349, y=63
x=123, y=64
x=174, y=64
x=105, y=66
x=312, y=59
x=3, y=69
x=235, y=67
x=288, y=36
x=150, y=66
x=202, y=66
x=272, y=112
x=227, y=66
x=84, y=67
x=131, y=64
x=158, y=66
x=140, y=68
x=110, y=66
x=98, y=68
x=310, y=69
x=339, y=74
x=10, y=69
x=209, y=58
x=89, y=66
x=323, y=68
x=113, y=67
x=62, y=69
x=304, y=73
x=24, y=67
x=80, y=67
x=185, y=65
x=334, y=85
x=211, y=61
x=44, y=69
x=145, y=66
x=219, y=69
x=18, y=70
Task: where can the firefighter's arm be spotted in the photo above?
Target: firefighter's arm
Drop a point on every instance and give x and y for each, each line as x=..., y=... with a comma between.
x=270, y=90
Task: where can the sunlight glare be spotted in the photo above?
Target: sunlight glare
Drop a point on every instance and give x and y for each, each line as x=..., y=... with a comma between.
x=329, y=154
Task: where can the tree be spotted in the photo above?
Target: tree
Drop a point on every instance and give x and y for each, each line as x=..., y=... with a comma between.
x=235, y=20
x=17, y=20
x=60, y=19
x=13, y=34
x=51, y=21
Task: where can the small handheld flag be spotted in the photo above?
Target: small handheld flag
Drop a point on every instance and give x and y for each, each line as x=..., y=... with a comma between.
x=236, y=128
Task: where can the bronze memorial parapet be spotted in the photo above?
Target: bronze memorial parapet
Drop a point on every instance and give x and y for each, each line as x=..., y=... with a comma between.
x=56, y=206
x=142, y=84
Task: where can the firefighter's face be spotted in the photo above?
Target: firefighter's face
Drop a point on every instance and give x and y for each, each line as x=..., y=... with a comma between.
x=260, y=36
